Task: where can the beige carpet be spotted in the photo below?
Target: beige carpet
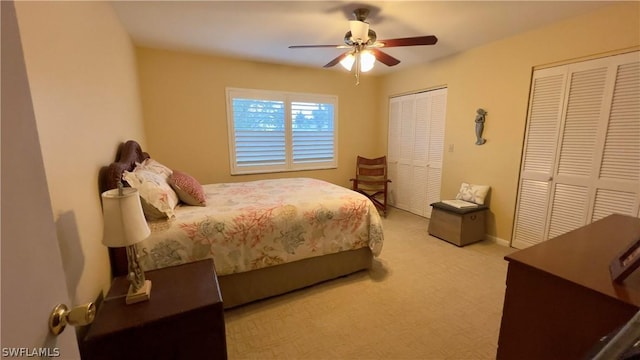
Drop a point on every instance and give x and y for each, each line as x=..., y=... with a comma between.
x=423, y=299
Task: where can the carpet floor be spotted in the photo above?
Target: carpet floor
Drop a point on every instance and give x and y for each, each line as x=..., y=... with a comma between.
x=423, y=299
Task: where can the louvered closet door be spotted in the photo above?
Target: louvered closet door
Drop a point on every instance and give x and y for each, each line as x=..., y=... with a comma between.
x=617, y=187
x=578, y=138
x=545, y=113
x=420, y=157
x=404, y=160
x=416, y=141
x=438, y=101
x=596, y=156
x=393, y=151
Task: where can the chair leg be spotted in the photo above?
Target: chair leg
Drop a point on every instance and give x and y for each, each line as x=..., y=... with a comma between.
x=379, y=205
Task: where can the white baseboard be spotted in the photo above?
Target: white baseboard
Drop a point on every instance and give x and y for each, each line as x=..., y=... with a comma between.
x=497, y=240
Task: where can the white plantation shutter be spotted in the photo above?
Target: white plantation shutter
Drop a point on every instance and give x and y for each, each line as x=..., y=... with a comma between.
x=259, y=132
x=596, y=169
x=416, y=143
x=275, y=131
x=313, y=132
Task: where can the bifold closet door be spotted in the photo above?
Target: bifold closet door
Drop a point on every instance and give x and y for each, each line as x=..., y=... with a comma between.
x=437, y=101
x=401, y=114
x=581, y=160
x=416, y=142
x=617, y=188
x=536, y=175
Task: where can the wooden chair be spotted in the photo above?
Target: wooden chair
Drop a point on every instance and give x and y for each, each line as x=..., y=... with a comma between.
x=371, y=180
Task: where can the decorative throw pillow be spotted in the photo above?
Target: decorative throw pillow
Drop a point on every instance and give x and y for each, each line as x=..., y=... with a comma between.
x=189, y=190
x=158, y=197
x=154, y=166
x=473, y=193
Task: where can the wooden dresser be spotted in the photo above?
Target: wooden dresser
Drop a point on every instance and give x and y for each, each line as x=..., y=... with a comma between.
x=560, y=299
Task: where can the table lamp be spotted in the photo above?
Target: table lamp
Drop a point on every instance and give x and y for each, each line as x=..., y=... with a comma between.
x=124, y=226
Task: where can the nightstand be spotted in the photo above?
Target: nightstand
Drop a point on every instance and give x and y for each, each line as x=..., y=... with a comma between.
x=183, y=319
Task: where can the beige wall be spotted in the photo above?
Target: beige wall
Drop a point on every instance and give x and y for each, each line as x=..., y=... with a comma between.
x=82, y=73
x=184, y=105
x=496, y=77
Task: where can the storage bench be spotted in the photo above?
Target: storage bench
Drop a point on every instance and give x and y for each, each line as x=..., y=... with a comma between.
x=458, y=226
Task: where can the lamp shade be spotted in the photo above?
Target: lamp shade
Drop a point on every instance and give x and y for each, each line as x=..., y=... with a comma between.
x=347, y=61
x=367, y=60
x=359, y=31
x=124, y=222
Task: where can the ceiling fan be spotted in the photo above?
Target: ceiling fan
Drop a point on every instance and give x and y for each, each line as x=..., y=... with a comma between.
x=364, y=48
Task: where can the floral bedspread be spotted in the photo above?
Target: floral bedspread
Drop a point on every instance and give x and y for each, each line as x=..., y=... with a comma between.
x=256, y=224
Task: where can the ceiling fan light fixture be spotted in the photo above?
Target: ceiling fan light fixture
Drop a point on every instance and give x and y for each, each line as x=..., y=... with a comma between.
x=347, y=61
x=367, y=60
x=359, y=31
x=364, y=47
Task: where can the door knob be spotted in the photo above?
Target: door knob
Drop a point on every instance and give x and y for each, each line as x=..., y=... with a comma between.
x=78, y=316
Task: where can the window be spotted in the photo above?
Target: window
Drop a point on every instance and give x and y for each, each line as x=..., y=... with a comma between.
x=272, y=131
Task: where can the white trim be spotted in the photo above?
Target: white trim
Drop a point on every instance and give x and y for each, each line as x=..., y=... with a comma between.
x=497, y=240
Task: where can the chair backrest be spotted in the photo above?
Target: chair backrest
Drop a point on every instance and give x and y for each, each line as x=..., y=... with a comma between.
x=371, y=169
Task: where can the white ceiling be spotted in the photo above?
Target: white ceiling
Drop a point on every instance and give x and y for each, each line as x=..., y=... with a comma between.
x=263, y=30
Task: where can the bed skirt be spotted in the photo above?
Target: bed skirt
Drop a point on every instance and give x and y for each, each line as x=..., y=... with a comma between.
x=242, y=288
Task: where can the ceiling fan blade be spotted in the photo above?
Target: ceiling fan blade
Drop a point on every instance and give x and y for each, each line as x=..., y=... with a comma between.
x=385, y=58
x=336, y=60
x=313, y=46
x=410, y=41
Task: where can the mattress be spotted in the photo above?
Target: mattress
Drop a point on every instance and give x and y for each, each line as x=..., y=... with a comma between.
x=252, y=225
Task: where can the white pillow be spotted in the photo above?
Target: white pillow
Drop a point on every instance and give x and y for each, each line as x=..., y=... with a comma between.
x=154, y=166
x=158, y=197
x=473, y=193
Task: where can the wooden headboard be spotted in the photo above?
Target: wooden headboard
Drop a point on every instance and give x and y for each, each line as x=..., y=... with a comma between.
x=127, y=155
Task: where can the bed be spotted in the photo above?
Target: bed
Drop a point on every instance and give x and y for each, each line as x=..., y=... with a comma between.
x=266, y=237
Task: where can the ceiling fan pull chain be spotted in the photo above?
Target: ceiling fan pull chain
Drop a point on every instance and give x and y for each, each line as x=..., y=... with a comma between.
x=357, y=66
